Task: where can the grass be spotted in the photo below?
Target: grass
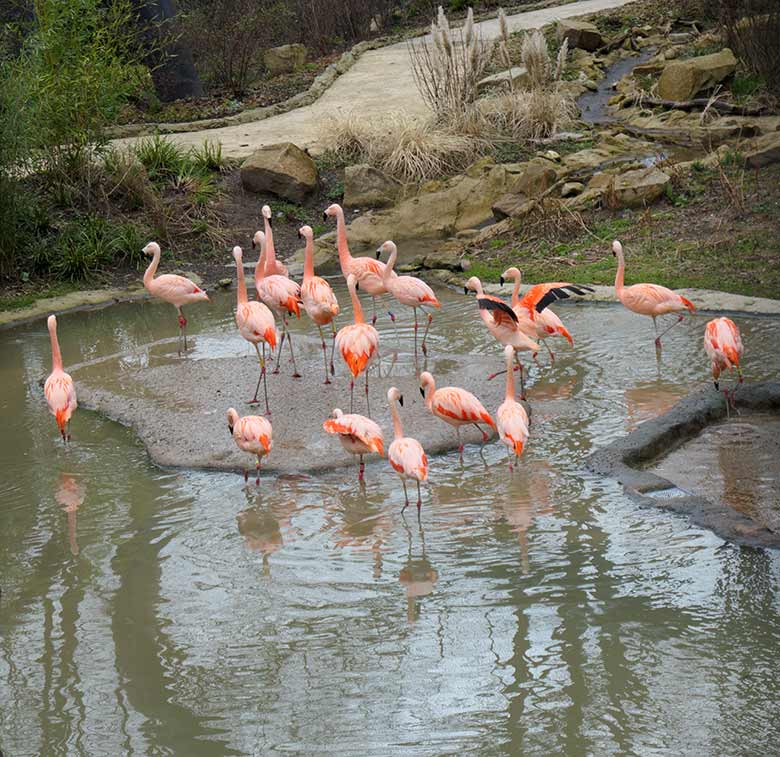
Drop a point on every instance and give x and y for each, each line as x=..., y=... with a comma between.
x=26, y=298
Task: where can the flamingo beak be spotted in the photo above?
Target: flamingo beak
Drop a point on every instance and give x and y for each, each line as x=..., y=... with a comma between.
x=300, y=236
x=230, y=428
x=465, y=290
x=422, y=392
x=253, y=244
x=357, y=286
x=270, y=222
x=401, y=400
x=324, y=216
x=501, y=280
x=378, y=253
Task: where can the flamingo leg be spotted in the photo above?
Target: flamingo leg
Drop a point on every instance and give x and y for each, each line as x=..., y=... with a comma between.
x=395, y=329
x=551, y=353
x=509, y=457
x=324, y=354
x=406, y=497
x=522, y=378
x=292, y=354
x=182, y=332
x=361, y=470
x=333, y=349
x=246, y=476
x=460, y=444
x=257, y=472
x=373, y=316
x=368, y=404
x=262, y=377
x=666, y=330
x=415, y=333
x=281, y=344
x=351, y=394
x=485, y=437
x=424, y=346
x=419, y=500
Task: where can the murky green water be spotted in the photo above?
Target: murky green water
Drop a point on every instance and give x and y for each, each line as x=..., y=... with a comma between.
x=147, y=611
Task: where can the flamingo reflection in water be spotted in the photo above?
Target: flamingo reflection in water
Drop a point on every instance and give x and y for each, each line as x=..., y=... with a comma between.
x=70, y=496
x=417, y=576
x=266, y=528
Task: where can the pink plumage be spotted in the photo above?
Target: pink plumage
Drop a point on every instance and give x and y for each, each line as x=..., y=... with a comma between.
x=273, y=266
x=59, y=390
x=252, y=434
x=511, y=417
x=723, y=345
x=405, y=454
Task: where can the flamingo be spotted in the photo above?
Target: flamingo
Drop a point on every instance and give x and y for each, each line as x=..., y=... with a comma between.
x=59, y=390
x=648, y=299
x=511, y=417
x=272, y=266
x=281, y=294
x=252, y=434
x=178, y=290
x=358, y=435
x=546, y=323
x=255, y=323
x=367, y=272
x=455, y=406
x=723, y=345
x=405, y=454
x=358, y=343
x=318, y=298
x=408, y=290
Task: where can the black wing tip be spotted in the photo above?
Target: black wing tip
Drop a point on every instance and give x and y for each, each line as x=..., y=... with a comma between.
x=560, y=293
x=486, y=304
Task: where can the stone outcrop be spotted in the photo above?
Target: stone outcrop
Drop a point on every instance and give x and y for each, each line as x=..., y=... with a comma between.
x=517, y=75
x=368, y=187
x=635, y=189
x=284, y=59
x=536, y=178
x=683, y=79
x=284, y=170
x=580, y=34
x=764, y=151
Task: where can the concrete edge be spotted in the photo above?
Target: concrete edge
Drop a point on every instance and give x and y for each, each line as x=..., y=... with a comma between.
x=623, y=460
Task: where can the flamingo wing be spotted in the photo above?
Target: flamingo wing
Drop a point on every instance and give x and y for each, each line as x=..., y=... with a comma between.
x=318, y=298
x=281, y=293
x=461, y=405
x=358, y=344
x=408, y=458
x=360, y=427
x=252, y=430
x=503, y=315
x=512, y=421
x=175, y=289
x=539, y=296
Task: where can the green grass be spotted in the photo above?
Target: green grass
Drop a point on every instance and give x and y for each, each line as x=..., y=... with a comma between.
x=28, y=298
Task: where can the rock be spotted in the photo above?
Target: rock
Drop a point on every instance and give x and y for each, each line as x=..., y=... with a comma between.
x=764, y=151
x=283, y=169
x=512, y=206
x=683, y=79
x=580, y=34
x=551, y=155
x=571, y=188
x=616, y=99
x=537, y=177
x=635, y=189
x=447, y=259
x=650, y=68
x=590, y=85
x=284, y=59
x=368, y=187
x=679, y=38
x=517, y=75
x=225, y=283
x=192, y=276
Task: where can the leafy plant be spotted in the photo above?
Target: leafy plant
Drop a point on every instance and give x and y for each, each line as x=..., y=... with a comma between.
x=162, y=158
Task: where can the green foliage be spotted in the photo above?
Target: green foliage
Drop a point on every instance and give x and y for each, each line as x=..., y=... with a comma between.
x=207, y=157
x=744, y=85
x=336, y=192
x=162, y=158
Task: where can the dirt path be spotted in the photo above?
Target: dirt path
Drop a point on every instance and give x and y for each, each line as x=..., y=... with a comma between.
x=381, y=81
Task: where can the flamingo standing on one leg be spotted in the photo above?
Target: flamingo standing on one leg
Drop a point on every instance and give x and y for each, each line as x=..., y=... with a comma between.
x=648, y=299
x=455, y=406
x=178, y=290
x=405, y=454
x=511, y=417
x=367, y=272
x=545, y=324
x=723, y=345
x=252, y=434
x=409, y=291
x=318, y=298
x=255, y=323
x=358, y=343
x=358, y=435
x=59, y=389
x=281, y=294
x=272, y=266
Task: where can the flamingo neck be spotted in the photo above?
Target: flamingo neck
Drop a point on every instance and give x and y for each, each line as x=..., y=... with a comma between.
x=345, y=258
x=428, y=398
x=356, y=306
x=308, y=260
x=619, y=275
x=510, y=380
x=56, y=355
x=269, y=245
x=516, y=291
x=387, y=274
x=398, y=430
x=261, y=266
x=152, y=269
x=240, y=282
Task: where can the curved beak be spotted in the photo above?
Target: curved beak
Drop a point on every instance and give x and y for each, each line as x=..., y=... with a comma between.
x=253, y=244
x=378, y=252
x=614, y=254
x=401, y=400
x=357, y=286
x=465, y=290
x=501, y=280
x=300, y=236
x=230, y=428
x=422, y=392
x=324, y=216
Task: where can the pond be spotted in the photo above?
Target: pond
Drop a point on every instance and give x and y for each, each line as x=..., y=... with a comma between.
x=176, y=611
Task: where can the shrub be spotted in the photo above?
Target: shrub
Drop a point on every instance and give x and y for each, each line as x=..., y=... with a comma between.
x=162, y=158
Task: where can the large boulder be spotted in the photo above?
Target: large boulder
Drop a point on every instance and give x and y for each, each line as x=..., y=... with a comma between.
x=284, y=59
x=517, y=76
x=683, y=79
x=537, y=177
x=580, y=34
x=764, y=151
x=636, y=189
x=284, y=170
x=368, y=187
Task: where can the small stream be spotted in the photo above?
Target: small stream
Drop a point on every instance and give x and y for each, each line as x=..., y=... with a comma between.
x=149, y=611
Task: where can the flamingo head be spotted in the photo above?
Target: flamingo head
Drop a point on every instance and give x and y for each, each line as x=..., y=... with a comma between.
x=305, y=232
x=617, y=248
x=352, y=282
x=237, y=255
x=258, y=240
x=426, y=380
x=510, y=273
x=331, y=211
x=232, y=417
x=337, y=412
x=393, y=395
x=51, y=323
x=388, y=247
x=473, y=285
x=151, y=249
x=266, y=211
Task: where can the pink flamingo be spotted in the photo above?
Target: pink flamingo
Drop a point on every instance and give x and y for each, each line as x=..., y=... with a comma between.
x=272, y=266
x=59, y=390
x=455, y=406
x=252, y=434
x=409, y=291
x=405, y=454
x=178, y=290
x=358, y=435
x=367, y=272
x=255, y=323
x=511, y=417
x=648, y=299
x=546, y=323
x=358, y=343
x=318, y=298
x=723, y=345
x=281, y=294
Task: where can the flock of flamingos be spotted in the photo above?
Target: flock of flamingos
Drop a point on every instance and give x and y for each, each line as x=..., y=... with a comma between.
x=519, y=326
